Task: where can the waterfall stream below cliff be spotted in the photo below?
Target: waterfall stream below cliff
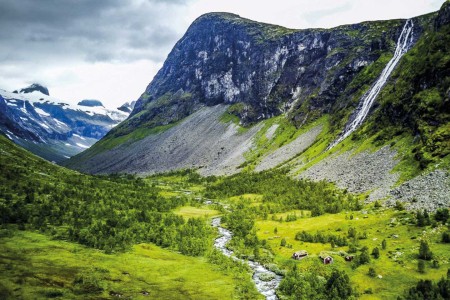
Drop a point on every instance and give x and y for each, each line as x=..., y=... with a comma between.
x=404, y=43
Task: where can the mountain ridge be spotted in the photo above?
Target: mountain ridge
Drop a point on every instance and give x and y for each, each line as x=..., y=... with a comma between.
x=275, y=83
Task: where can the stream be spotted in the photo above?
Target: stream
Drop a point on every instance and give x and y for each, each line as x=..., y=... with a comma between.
x=266, y=288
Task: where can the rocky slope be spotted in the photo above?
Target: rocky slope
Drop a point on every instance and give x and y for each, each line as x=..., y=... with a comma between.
x=200, y=141
x=50, y=128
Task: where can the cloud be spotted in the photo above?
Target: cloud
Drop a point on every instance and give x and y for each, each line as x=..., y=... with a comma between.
x=95, y=31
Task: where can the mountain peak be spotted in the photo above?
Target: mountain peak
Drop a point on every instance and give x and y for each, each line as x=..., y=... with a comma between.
x=33, y=88
x=90, y=103
x=218, y=15
x=127, y=107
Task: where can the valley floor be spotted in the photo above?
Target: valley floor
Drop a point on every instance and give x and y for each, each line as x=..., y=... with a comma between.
x=32, y=266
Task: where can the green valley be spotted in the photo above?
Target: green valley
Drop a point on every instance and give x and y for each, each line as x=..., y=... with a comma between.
x=163, y=248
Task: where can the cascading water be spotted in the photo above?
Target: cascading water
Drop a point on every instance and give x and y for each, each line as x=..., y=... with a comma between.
x=266, y=287
x=404, y=43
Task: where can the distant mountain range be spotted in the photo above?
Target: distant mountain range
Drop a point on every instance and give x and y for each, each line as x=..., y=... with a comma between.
x=51, y=128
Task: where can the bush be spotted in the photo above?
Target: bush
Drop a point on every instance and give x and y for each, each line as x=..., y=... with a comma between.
x=372, y=272
x=442, y=215
x=446, y=237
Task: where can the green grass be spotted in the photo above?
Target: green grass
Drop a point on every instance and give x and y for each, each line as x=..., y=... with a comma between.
x=398, y=274
x=34, y=267
x=196, y=212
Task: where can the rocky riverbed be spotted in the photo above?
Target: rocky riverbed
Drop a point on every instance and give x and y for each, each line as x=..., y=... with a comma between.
x=265, y=280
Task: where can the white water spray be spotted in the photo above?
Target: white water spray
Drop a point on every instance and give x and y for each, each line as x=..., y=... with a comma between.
x=404, y=43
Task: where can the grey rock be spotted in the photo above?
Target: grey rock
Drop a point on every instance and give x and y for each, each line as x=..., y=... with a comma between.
x=289, y=151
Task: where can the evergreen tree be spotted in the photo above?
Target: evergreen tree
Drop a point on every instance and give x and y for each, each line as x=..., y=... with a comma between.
x=420, y=220
x=442, y=215
x=384, y=244
x=424, y=251
x=421, y=266
x=338, y=286
x=426, y=217
x=446, y=237
x=376, y=252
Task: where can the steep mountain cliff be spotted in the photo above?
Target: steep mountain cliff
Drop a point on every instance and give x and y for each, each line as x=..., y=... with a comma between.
x=282, y=96
x=50, y=128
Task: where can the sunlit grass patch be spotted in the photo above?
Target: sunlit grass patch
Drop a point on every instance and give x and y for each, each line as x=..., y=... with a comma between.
x=34, y=267
x=196, y=212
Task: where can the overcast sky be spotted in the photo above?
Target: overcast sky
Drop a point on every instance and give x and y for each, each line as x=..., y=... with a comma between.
x=111, y=49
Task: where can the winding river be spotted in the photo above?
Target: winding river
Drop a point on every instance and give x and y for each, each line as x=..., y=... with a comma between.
x=266, y=288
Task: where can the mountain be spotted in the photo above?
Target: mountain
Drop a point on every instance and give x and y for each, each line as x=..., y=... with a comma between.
x=90, y=103
x=127, y=107
x=35, y=87
x=235, y=94
x=50, y=128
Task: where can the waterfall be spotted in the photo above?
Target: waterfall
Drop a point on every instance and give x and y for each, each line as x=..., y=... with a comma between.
x=404, y=43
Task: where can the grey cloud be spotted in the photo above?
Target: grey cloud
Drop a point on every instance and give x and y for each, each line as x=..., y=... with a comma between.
x=101, y=30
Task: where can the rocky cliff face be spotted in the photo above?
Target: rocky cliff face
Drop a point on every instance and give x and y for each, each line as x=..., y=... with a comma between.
x=262, y=70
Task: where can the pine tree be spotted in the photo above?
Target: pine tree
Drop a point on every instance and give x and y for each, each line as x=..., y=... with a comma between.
x=384, y=244
x=421, y=266
x=376, y=252
x=424, y=251
x=420, y=219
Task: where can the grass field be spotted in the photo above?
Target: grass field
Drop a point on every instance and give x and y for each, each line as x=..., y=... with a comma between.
x=397, y=265
x=196, y=212
x=34, y=267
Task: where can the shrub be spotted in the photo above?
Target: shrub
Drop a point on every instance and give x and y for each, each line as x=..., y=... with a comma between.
x=446, y=237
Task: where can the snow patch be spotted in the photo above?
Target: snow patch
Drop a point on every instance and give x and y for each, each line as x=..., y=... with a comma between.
x=41, y=112
x=82, y=145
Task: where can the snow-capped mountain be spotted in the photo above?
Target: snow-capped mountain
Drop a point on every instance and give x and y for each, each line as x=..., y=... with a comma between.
x=53, y=129
x=127, y=107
